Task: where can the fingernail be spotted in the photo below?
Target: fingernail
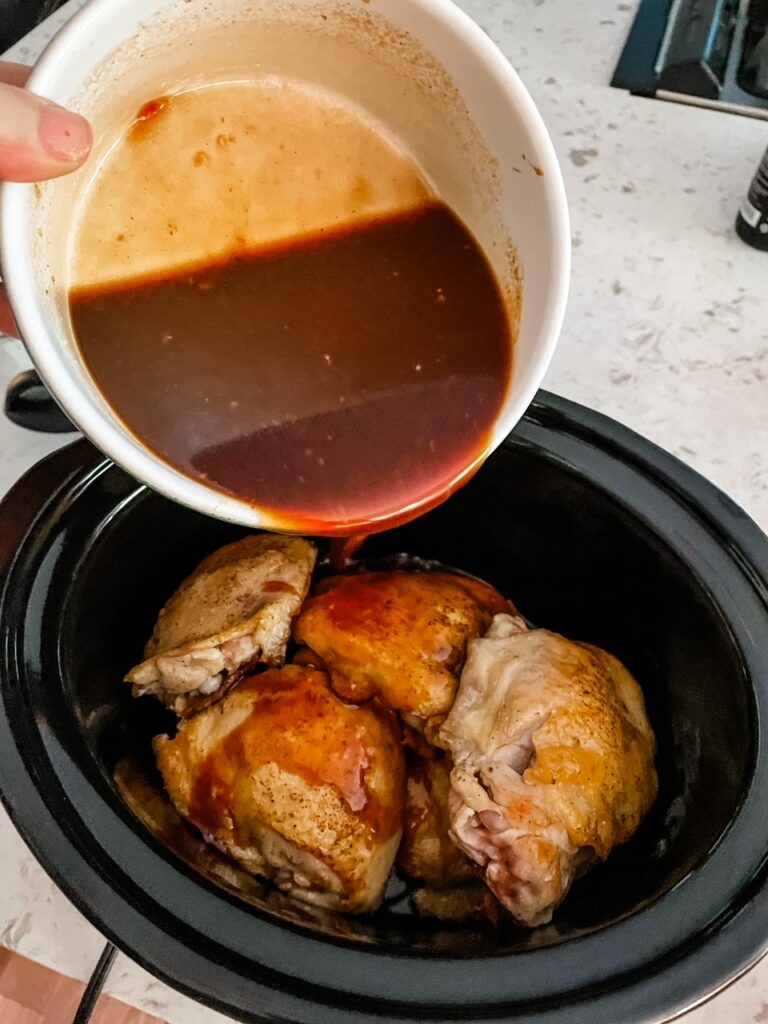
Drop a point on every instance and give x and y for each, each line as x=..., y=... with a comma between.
x=64, y=135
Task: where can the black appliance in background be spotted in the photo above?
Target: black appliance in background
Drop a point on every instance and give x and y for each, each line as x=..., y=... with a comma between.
x=709, y=53
x=17, y=17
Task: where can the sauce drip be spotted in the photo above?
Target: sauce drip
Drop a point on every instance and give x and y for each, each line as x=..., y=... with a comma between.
x=334, y=380
x=343, y=549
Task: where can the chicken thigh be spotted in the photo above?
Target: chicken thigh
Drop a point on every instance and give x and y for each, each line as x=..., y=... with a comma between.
x=428, y=852
x=453, y=888
x=399, y=635
x=294, y=785
x=553, y=762
x=233, y=612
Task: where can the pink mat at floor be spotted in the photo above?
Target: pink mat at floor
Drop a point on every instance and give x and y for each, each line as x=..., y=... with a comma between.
x=32, y=994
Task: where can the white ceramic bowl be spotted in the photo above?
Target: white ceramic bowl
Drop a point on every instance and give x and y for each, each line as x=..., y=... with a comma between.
x=422, y=67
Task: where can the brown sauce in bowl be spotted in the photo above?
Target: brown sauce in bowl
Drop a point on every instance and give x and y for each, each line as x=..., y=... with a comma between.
x=273, y=300
x=334, y=380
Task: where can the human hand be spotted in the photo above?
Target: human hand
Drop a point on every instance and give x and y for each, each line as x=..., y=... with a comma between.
x=38, y=140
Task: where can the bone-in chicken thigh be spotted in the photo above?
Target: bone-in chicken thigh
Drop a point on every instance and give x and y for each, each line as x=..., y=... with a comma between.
x=553, y=762
x=452, y=887
x=428, y=852
x=399, y=635
x=233, y=612
x=294, y=785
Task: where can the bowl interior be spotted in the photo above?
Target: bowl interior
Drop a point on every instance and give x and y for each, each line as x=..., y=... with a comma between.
x=573, y=559
x=458, y=107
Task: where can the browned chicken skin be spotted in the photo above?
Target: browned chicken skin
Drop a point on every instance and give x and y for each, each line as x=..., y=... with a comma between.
x=548, y=754
x=233, y=612
x=453, y=888
x=294, y=785
x=553, y=762
x=427, y=851
x=398, y=635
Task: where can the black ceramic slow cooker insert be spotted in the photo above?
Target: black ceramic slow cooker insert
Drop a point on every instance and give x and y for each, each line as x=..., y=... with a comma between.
x=593, y=532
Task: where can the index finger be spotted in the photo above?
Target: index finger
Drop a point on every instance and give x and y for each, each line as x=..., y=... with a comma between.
x=12, y=73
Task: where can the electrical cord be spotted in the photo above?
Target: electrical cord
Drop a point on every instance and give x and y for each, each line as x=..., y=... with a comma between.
x=95, y=985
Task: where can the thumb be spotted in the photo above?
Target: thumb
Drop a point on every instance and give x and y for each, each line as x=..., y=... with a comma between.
x=39, y=139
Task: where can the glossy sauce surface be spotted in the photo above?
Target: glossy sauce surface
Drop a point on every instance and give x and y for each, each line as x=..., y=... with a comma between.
x=335, y=380
x=301, y=726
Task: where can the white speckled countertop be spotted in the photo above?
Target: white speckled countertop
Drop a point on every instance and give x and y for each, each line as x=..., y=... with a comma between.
x=667, y=331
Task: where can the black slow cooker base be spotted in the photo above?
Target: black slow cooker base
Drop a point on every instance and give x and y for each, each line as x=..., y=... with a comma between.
x=593, y=533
